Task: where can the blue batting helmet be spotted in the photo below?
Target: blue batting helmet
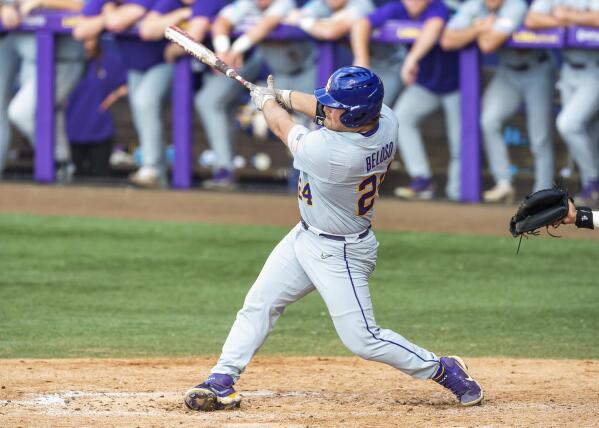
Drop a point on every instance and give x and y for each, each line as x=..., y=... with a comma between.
x=358, y=91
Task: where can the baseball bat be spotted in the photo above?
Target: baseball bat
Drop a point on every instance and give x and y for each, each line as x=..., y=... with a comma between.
x=201, y=52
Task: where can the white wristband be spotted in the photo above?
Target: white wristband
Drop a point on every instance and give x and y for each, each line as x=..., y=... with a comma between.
x=221, y=43
x=306, y=24
x=242, y=44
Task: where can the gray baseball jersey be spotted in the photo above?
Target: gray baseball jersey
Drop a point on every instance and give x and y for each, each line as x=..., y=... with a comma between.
x=341, y=173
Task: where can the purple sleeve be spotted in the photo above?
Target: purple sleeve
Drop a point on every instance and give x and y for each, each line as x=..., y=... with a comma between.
x=437, y=9
x=93, y=7
x=209, y=8
x=147, y=4
x=388, y=11
x=166, y=6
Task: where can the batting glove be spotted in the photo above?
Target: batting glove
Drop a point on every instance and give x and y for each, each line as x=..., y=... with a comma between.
x=260, y=95
x=283, y=95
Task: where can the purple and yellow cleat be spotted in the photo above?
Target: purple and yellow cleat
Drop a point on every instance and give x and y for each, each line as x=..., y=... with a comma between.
x=453, y=375
x=216, y=393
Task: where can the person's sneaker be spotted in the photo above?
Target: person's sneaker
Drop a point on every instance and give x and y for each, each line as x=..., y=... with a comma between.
x=589, y=195
x=420, y=188
x=501, y=193
x=65, y=172
x=223, y=179
x=216, y=393
x=147, y=177
x=453, y=375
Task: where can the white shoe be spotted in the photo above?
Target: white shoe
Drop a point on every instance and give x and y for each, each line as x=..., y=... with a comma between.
x=146, y=176
x=502, y=192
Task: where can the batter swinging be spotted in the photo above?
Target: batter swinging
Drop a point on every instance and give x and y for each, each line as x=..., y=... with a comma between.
x=332, y=249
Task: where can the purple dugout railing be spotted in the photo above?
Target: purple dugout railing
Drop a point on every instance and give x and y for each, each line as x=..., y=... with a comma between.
x=49, y=23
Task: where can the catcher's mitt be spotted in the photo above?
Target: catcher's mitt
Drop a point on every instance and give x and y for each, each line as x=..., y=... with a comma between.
x=540, y=209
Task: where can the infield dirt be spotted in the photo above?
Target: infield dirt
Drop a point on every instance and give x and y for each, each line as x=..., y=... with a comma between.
x=277, y=391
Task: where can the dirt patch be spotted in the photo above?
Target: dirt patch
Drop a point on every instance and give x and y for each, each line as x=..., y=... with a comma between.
x=251, y=208
x=294, y=392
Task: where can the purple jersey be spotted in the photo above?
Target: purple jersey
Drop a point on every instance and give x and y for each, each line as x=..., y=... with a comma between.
x=209, y=8
x=85, y=122
x=137, y=54
x=166, y=6
x=438, y=70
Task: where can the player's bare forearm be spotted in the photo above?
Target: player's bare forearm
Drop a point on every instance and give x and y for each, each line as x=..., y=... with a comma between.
x=539, y=21
x=360, y=42
x=329, y=30
x=259, y=32
x=120, y=18
x=153, y=25
x=583, y=18
x=88, y=27
x=490, y=41
x=198, y=27
x=457, y=39
x=428, y=38
x=70, y=5
x=303, y=103
x=278, y=120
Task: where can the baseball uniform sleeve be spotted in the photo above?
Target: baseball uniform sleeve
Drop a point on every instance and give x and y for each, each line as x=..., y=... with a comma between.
x=166, y=6
x=235, y=12
x=316, y=9
x=436, y=9
x=93, y=7
x=541, y=6
x=465, y=15
x=388, y=11
x=280, y=8
x=511, y=15
x=594, y=6
x=209, y=8
x=310, y=152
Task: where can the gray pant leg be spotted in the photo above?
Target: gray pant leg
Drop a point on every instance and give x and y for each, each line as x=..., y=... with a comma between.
x=414, y=104
x=8, y=74
x=215, y=103
x=501, y=100
x=146, y=95
x=537, y=88
x=580, y=102
x=451, y=107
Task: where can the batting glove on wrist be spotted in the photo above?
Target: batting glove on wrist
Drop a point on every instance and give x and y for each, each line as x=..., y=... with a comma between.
x=283, y=95
x=260, y=95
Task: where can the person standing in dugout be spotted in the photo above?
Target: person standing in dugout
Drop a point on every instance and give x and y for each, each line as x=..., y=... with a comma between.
x=522, y=75
x=578, y=120
x=332, y=249
x=431, y=76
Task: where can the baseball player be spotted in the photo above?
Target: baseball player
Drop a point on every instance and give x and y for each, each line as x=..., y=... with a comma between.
x=431, y=77
x=333, y=19
x=148, y=79
x=69, y=65
x=577, y=121
x=9, y=18
x=333, y=248
x=522, y=75
x=291, y=62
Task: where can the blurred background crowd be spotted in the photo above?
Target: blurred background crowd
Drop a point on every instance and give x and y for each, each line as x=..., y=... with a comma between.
x=117, y=56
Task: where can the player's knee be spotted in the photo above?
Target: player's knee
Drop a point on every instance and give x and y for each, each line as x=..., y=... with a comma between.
x=567, y=125
x=489, y=122
x=359, y=344
x=20, y=115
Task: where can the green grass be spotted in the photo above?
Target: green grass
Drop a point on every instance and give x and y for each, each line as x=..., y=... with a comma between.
x=73, y=287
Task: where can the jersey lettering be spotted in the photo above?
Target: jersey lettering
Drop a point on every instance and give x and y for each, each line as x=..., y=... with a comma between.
x=379, y=157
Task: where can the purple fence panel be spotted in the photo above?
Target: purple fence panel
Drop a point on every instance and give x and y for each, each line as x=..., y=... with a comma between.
x=527, y=39
x=182, y=124
x=471, y=138
x=44, y=130
x=583, y=37
x=397, y=32
x=326, y=62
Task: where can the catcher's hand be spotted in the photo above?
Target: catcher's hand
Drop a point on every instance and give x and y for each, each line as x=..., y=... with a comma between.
x=548, y=207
